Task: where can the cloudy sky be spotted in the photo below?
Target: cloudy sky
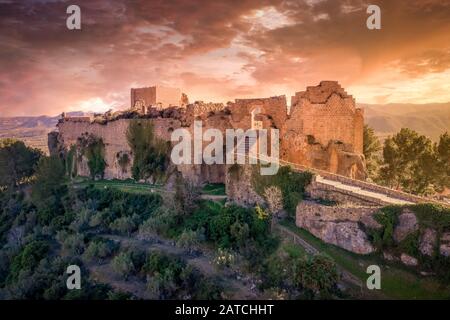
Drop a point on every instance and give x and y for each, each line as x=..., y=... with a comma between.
x=218, y=51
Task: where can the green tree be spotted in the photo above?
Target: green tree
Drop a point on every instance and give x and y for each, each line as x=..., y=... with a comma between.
x=93, y=149
x=150, y=153
x=409, y=162
x=49, y=188
x=316, y=275
x=123, y=264
x=17, y=162
x=443, y=162
x=371, y=150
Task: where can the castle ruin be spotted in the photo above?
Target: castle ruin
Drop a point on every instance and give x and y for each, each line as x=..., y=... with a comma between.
x=323, y=130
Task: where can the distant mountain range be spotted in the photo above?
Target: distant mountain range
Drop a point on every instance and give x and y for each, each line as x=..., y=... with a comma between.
x=429, y=119
x=32, y=130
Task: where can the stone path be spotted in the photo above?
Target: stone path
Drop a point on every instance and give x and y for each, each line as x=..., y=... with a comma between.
x=359, y=191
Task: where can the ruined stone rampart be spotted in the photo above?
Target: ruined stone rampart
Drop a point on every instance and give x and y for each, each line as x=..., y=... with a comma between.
x=320, y=132
x=114, y=137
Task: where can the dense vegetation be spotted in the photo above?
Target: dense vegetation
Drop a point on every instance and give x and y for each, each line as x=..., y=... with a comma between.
x=150, y=153
x=300, y=276
x=409, y=161
x=71, y=162
x=55, y=221
x=17, y=162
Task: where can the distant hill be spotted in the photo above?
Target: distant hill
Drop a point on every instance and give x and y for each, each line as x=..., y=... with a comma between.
x=32, y=130
x=431, y=119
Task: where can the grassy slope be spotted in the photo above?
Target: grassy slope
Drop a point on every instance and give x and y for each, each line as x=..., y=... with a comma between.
x=214, y=189
x=122, y=185
x=396, y=281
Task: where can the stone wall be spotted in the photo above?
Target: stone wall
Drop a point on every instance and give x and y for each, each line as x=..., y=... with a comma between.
x=377, y=188
x=113, y=135
x=317, y=190
x=320, y=132
x=241, y=110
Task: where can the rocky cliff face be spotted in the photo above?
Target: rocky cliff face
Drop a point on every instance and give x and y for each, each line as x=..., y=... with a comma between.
x=340, y=226
x=239, y=186
x=348, y=226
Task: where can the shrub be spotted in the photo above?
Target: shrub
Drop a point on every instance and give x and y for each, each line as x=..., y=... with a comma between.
x=100, y=249
x=224, y=258
x=119, y=204
x=387, y=217
x=188, y=240
x=124, y=225
x=93, y=149
x=163, y=222
x=316, y=275
x=73, y=244
x=172, y=278
x=28, y=258
x=274, y=199
x=81, y=221
x=123, y=265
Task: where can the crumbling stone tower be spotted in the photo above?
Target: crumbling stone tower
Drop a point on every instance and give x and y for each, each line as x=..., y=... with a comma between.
x=156, y=95
x=325, y=131
x=328, y=113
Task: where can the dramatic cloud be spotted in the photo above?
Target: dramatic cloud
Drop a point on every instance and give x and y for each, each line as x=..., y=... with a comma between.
x=218, y=50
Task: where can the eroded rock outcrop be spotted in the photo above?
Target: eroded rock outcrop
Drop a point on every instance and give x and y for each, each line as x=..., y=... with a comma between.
x=428, y=242
x=444, y=248
x=338, y=225
x=407, y=224
x=239, y=186
x=408, y=260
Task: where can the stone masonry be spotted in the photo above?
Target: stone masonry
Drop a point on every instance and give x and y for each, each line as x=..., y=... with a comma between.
x=324, y=129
